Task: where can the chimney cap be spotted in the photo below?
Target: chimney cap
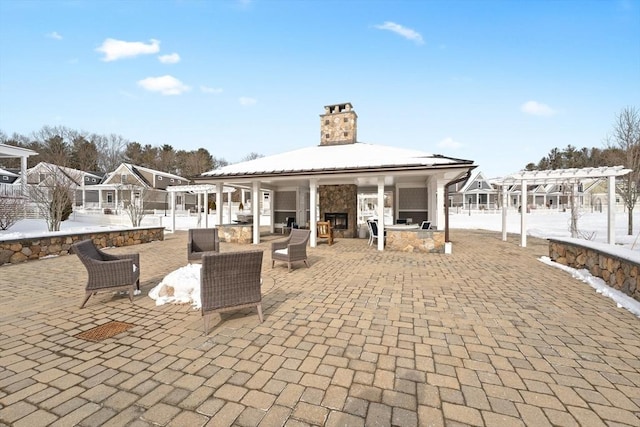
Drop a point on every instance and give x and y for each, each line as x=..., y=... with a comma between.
x=338, y=108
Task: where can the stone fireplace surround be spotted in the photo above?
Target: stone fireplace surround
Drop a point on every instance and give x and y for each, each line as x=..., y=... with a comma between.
x=340, y=199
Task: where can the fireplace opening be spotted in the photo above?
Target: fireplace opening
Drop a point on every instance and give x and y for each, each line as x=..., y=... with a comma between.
x=338, y=220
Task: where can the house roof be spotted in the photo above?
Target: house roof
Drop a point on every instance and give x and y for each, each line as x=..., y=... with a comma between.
x=345, y=157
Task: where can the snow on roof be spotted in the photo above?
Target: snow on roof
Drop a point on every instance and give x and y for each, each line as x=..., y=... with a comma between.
x=336, y=157
x=8, y=173
x=156, y=172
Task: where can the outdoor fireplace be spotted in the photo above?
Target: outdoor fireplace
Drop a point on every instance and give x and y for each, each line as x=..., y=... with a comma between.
x=338, y=220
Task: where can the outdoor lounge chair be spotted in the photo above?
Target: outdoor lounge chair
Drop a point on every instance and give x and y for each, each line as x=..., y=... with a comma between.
x=291, y=249
x=108, y=272
x=201, y=240
x=325, y=231
x=230, y=281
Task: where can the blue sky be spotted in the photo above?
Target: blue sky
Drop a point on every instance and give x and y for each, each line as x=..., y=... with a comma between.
x=497, y=82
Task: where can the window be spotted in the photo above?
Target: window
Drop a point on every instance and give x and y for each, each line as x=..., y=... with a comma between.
x=159, y=178
x=345, y=133
x=326, y=122
x=326, y=135
x=109, y=197
x=179, y=181
x=345, y=120
x=479, y=184
x=86, y=178
x=93, y=180
x=123, y=178
x=171, y=179
x=42, y=177
x=5, y=178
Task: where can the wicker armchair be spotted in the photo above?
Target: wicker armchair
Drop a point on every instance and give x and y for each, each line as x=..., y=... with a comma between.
x=202, y=240
x=293, y=248
x=107, y=272
x=230, y=281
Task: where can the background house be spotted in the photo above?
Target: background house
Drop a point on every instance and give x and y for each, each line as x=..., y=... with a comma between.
x=136, y=184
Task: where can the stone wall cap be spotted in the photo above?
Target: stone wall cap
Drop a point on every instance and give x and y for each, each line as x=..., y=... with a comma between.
x=613, y=250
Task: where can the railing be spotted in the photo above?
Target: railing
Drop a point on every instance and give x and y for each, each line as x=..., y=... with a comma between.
x=10, y=190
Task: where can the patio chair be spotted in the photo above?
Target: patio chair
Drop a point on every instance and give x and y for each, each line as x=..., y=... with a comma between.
x=291, y=249
x=230, y=281
x=107, y=272
x=325, y=231
x=200, y=241
x=373, y=231
x=289, y=221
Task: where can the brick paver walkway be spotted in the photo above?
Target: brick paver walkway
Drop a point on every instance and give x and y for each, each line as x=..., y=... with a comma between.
x=485, y=336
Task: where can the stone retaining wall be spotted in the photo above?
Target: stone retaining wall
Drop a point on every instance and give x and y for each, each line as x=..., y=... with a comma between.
x=236, y=233
x=617, y=272
x=26, y=249
x=415, y=241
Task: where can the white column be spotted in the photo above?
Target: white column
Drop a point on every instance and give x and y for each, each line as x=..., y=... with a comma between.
x=23, y=175
x=313, y=221
x=523, y=214
x=199, y=208
x=611, y=213
x=219, y=205
x=381, y=213
x=173, y=211
x=440, y=202
x=272, y=211
x=255, y=207
x=504, y=212
x=206, y=210
x=229, y=206
x=100, y=199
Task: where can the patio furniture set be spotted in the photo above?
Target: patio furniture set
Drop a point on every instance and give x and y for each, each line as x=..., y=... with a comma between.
x=228, y=280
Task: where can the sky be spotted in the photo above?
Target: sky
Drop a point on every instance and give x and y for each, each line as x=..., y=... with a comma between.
x=497, y=82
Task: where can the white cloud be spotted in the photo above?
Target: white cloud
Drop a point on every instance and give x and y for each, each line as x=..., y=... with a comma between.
x=405, y=32
x=117, y=49
x=166, y=85
x=449, y=143
x=537, y=109
x=247, y=102
x=54, y=35
x=214, y=90
x=172, y=58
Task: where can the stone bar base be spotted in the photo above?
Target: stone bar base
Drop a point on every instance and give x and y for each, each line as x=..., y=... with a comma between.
x=617, y=272
x=430, y=241
x=26, y=249
x=236, y=233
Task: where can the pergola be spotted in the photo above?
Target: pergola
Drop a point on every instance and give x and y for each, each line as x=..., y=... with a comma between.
x=200, y=190
x=564, y=176
x=12, y=152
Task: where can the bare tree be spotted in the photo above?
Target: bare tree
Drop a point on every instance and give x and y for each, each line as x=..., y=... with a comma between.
x=626, y=136
x=110, y=150
x=134, y=207
x=11, y=209
x=54, y=196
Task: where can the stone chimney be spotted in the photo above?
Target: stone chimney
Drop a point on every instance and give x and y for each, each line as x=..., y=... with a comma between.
x=338, y=125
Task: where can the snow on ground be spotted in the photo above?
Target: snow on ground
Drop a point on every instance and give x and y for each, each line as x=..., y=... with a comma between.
x=543, y=224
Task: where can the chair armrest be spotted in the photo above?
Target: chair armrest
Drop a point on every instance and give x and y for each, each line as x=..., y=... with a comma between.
x=280, y=244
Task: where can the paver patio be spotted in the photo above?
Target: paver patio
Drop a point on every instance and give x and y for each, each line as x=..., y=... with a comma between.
x=488, y=335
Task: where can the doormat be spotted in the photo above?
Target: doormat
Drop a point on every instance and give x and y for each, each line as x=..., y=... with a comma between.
x=102, y=332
